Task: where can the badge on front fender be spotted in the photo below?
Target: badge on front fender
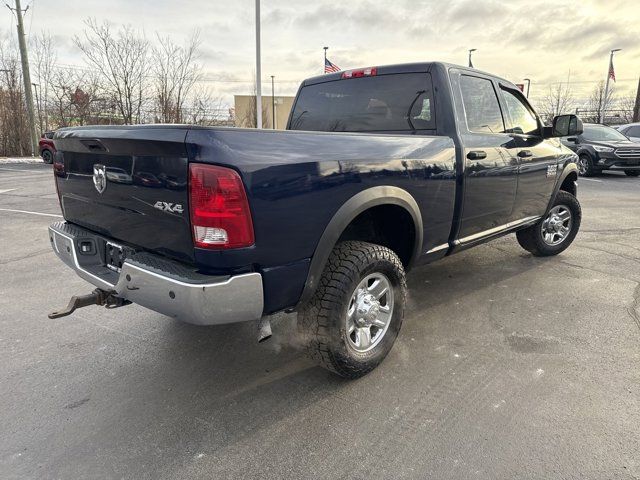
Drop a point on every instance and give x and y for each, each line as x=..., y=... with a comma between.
x=552, y=170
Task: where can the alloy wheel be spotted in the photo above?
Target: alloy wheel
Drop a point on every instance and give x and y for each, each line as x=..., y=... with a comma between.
x=557, y=225
x=369, y=313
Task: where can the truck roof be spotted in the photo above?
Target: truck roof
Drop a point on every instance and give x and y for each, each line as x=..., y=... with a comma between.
x=402, y=68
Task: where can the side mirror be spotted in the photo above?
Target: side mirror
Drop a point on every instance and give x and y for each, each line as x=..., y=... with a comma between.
x=565, y=126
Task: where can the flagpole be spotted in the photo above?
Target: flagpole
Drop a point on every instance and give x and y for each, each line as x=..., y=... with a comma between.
x=324, y=65
x=603, y=107
x=258, y=70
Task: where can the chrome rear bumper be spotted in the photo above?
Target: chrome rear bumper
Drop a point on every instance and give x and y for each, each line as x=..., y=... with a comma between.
x=159, y=284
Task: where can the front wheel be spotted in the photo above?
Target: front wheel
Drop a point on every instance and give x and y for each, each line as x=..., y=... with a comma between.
x=585, y=166
x=555, y=232
x=632, y=173
x=353, y=319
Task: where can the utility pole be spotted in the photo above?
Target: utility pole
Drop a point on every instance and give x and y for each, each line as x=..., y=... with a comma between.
x=528, y=80
x=324, y=65
x=636, y=107
x=258, y=70
x=604, y=105
x=26, y=76
x=273, y=105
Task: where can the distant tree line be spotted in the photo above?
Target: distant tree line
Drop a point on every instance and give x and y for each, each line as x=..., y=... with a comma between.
x=560, y=99
x=127, y=79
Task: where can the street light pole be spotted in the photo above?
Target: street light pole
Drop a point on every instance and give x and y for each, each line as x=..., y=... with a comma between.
x=470, y=52
x=528, y=85
x=603, y=107
x=258, y=70
x=273, y=105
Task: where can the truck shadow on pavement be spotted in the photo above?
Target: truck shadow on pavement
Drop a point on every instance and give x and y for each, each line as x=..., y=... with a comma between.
x=226, y=378
x=217, y=390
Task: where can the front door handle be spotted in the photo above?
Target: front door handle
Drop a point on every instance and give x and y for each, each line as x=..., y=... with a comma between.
x=525, y=154
x=476, y=155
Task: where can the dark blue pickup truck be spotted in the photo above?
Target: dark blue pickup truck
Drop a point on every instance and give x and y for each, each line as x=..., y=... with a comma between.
x=381, y=169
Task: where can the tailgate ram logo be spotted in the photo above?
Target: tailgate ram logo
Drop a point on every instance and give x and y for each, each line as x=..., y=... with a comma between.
x=169, y=207
x=100, y=177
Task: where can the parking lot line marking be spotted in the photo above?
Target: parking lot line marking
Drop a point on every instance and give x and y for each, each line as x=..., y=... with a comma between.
x=31, y=213
x=591, y=180
x=8, y=190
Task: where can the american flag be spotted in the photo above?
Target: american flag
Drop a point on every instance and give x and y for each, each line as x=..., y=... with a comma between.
x=330, y=67
x=612, y=73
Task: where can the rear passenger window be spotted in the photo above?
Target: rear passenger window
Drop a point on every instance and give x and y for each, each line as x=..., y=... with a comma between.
x=481, y=107
x=633, y=132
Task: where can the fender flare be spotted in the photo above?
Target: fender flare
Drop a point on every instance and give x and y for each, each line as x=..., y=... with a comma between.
x=372, y=197
x=569, y=168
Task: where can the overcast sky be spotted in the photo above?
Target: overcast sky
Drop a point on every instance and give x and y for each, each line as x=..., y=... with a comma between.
x=540, y=39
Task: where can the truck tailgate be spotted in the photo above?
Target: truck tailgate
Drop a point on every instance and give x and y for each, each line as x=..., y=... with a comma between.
x=129, y=184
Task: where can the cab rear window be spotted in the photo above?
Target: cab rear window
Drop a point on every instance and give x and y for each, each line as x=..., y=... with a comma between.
x=390, y=103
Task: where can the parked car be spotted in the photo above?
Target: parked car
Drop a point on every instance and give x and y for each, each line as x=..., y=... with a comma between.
x=604, y=148
x=47, y=148
x=382, y=169
x=631, y=131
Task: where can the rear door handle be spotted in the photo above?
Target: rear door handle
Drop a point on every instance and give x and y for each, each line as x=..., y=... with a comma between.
x=525, y=153
x=476, y=155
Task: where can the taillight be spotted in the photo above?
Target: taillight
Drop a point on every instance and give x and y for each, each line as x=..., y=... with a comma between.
x=220, y=215
x=365, y=72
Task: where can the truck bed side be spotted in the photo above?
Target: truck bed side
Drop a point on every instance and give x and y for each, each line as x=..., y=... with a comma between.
x=297, y=181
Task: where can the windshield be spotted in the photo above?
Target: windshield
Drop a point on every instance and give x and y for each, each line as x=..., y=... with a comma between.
x=398, y=102
x=601, y=133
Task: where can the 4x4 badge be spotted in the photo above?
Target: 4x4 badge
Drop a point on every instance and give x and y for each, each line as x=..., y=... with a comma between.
x=100, y=177
x=169, y=207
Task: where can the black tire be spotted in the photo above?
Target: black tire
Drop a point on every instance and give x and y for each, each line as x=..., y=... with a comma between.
x=585, y=166
x=531, y=238
x=323, y=320
x=632, y=173
x=47, y=155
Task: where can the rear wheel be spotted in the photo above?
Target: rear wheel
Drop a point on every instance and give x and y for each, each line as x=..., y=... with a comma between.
x=353, y=319
x=555, y=232
x=632, y=173
x=47, y=156
x=585, y=166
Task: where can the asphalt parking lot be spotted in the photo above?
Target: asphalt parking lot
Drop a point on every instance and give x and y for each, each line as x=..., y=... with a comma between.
x=508, y=366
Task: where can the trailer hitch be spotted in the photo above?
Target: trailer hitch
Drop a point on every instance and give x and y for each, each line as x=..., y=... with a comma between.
x=97, y=297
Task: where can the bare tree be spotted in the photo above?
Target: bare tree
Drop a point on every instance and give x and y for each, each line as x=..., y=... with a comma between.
x=176, y=71
x=205, y=108
x=597, y=103
x=558, y=100
x=627, y=105
x=45, y=57
x=14, y=130
x=122, y=61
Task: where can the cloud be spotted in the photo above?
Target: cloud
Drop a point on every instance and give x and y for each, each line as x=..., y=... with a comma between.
x=541, y=40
